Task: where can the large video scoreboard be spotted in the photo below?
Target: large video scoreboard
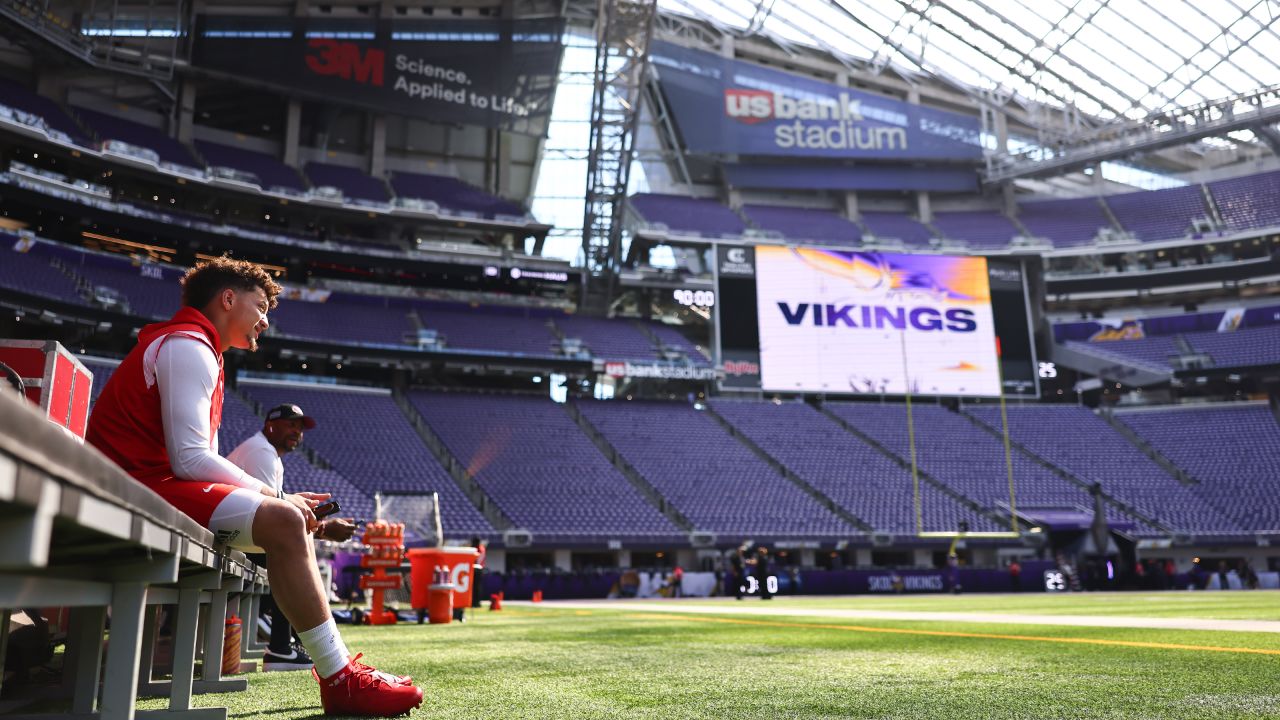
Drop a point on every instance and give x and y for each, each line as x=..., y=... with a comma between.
x=817, y=320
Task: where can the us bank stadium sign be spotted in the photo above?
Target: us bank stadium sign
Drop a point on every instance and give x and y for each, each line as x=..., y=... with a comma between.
x=733, y=107
x=659, y=371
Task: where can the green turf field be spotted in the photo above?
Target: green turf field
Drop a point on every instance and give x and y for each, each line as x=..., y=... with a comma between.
x=548, y=662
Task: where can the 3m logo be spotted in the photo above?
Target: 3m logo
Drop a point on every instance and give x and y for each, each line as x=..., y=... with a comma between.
x=344, y=59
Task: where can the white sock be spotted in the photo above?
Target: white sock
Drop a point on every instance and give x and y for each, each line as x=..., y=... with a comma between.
x=326, y=648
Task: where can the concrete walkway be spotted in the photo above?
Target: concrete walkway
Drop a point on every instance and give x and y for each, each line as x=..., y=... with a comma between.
x=758, y=610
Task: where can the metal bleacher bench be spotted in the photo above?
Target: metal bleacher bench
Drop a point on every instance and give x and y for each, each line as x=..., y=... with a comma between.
x=77, y=532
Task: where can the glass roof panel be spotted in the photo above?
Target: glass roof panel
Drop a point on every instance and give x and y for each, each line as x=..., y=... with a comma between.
x=1115, y=60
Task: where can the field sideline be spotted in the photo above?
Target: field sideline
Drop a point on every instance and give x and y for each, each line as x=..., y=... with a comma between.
x=558, y=660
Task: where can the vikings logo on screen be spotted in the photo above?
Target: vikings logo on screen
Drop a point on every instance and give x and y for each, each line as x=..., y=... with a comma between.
x=838, y=321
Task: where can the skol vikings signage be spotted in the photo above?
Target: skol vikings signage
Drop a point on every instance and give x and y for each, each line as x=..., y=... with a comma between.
x=729, y=106
x=875, y=323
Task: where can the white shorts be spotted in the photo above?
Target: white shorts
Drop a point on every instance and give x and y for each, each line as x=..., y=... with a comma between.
x=232, y=520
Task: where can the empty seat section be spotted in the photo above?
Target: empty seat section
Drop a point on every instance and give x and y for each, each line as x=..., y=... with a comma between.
x=1078, y=441
x=1242, y=348
x=711, y=477
x=538, y=466
x=239, y=422
x=366, y=438
x=268, y=169
x=1249, y=201
x=522, y=331
x=953, y=450
x=800, y=224
x=855, y=475
x=1074, y=221
x=1234, y=453
x=686, y=214
x=344, y=318
x=31, y=271
x=673, y=338
x=151, y=290
x=110, y=127
x=1156, y=352
x=615, y=339
x=978, y=228
x=452, y=193
x=19, y=97
x=354, y=183
x=1159, y=214
x=900, y=226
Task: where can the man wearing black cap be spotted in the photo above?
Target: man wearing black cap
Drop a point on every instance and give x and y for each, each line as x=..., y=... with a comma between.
x=259, y=455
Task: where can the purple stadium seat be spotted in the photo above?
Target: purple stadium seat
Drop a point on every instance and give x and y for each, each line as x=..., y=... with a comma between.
x=344, y=318
x=1249, y=201
x=1234, y=453
x=801, y=224
x=1065, y=223
x=452, y=193
x=267, y=168
x=522, y=331
x=609, y=339
x=852, y=473
x=673, y=338
x=535, y=462
x=1080, y=442
x=33, y=273
x=711, y=477
x=979, y=228
x=1159, y=214
x=686, y=214
x=896, y=225
x=110, y=127
x=355, y=184
x=1242, y=348
x=21, y=98
x=1157, y=352
x=968, y=459
x=366, y=439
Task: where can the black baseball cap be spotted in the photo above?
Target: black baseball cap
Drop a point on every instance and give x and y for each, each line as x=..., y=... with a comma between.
x=290, y=412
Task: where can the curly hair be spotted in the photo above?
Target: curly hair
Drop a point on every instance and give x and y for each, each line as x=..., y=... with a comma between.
x=203, y=282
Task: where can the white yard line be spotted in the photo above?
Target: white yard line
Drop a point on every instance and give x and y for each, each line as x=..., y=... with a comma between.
x=756, y=609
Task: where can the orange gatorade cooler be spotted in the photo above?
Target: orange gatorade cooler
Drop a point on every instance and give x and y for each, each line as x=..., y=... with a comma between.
x=456, y=562
x=440, y=603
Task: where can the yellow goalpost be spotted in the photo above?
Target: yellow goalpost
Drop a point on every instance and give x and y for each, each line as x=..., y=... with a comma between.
x=1012, y=532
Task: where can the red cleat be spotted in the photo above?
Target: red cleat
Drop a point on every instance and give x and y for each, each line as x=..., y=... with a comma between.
x=358, y=689
x=385, y=677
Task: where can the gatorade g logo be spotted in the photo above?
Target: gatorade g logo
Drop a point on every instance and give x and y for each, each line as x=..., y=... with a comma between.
x=344, y=60
x=460, y=578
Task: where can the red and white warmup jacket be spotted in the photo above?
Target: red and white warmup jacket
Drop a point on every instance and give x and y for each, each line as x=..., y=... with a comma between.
x=158, y=416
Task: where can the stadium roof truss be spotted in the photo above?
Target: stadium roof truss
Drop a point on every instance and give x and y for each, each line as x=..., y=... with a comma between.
x=1068, y=70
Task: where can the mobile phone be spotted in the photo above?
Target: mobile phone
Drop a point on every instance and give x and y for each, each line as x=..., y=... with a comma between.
x=326, y=509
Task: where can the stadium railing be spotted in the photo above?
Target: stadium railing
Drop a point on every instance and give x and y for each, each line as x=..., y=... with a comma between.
x=77, y=532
